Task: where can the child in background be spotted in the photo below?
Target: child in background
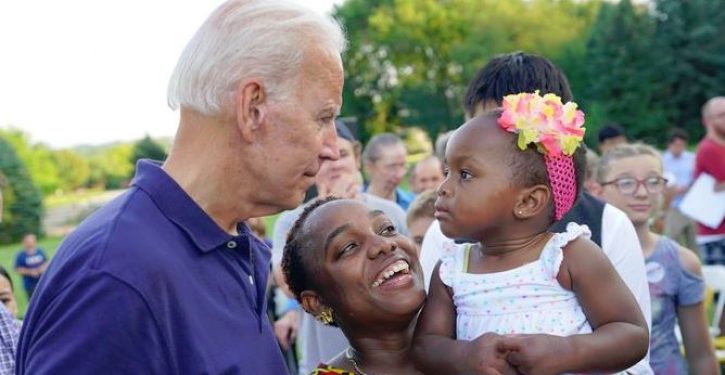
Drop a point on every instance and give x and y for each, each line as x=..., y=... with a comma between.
x=420, y=215
x=555, y=296
x=630, y=178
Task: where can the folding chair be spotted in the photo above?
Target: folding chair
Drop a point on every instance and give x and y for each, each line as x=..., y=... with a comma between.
x=714, y=276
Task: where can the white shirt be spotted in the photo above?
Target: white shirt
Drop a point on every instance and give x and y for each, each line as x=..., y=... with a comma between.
x=619, y=243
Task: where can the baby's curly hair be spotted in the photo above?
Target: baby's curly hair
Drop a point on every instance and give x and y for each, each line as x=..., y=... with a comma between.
x=297, y=263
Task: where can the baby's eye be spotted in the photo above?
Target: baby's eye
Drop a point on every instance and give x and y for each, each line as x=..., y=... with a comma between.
x=445, y=172
x=465, y=175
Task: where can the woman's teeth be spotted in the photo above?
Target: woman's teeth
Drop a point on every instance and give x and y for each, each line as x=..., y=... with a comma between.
x=399, y=266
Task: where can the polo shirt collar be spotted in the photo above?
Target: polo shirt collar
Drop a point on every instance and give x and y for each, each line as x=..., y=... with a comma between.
x=177, y=206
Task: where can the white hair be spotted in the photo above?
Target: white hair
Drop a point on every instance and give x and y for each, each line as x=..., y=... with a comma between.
x=241, y=39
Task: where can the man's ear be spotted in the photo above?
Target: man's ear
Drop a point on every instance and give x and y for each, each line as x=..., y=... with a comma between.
x=251, y=108
x=532, y=201
x=310, y=301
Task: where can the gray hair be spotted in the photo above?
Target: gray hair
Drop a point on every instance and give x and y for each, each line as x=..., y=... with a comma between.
x=265, y=39
x=375, y=145
x=624, y=151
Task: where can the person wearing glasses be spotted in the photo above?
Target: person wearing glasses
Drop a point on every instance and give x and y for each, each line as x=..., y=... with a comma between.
x=630, y=178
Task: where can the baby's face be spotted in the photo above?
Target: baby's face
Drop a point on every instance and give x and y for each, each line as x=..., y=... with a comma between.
x=477, y=197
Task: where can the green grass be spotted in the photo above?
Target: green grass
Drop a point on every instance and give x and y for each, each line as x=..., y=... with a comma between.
x=7, y=260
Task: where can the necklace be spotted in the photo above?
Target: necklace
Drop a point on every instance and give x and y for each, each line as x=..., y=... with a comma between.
x=351, y=358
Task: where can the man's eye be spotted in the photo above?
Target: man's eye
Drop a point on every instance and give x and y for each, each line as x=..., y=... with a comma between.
x=465, y=175
x=445, y=172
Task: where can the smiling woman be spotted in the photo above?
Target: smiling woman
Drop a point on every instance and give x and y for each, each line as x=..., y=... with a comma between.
x=349, y=267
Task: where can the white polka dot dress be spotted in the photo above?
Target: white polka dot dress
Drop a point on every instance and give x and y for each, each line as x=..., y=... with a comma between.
x=528, y=299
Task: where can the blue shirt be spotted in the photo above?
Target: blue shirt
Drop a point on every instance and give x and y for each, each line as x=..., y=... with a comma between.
x=682, y=168
x=33, y=261
x=149, y=284
x=403, y=198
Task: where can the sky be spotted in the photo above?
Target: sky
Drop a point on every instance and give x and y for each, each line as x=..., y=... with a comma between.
x=76, y=72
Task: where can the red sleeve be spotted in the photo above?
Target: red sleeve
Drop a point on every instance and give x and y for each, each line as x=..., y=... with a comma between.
x=711, y=160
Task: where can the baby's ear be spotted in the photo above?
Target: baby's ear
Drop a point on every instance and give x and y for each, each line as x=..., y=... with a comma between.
x=532, y=201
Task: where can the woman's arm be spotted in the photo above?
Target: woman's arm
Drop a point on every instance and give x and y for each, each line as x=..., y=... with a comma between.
x=693, y=325
x=620, y=338
x=435, y=348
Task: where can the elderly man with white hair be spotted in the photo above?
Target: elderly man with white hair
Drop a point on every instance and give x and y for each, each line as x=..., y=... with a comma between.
x=167, y=278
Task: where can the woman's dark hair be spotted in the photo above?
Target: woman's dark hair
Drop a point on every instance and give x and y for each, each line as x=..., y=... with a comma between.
x=514, y=73
x=298, y=259
x=4, y=273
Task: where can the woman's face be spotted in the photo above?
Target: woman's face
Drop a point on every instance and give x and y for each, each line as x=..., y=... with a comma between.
x=369, y=273
x=7, y=297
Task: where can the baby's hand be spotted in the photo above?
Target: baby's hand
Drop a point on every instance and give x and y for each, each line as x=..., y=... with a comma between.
x=535, y=354
x=486, y=356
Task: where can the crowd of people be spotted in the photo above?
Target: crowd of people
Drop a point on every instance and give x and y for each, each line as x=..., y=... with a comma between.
x=515, y=250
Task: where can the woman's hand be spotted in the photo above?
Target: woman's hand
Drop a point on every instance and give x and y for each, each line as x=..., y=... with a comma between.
x=535, y=354
x=486, y=355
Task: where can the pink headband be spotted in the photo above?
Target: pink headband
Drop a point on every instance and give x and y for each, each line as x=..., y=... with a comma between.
x=556, y=130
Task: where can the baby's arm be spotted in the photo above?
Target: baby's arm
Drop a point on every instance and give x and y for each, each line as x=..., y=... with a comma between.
x=620, y=337
x=435, y=348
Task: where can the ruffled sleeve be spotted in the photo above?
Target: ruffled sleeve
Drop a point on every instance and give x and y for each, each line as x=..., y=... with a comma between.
x=451, y=262
x=553, y=253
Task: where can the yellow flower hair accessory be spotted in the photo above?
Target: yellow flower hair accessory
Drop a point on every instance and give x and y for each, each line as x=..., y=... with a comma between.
x=554, y=128
x=557, y=131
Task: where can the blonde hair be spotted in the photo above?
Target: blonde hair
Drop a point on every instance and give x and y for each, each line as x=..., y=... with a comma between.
x=621, y=152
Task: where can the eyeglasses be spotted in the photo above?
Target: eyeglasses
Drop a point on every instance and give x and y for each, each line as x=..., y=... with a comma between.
x=630, y=185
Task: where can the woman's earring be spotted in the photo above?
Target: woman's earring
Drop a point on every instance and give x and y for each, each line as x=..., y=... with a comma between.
x=325, y=316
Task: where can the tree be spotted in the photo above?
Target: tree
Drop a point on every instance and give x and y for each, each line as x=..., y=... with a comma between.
x=111, y=168
x=147, y=148
x=690, y=58
x=73, y=170
x=37, y=158
x=22, y=206
x=620, y=84
x=409, y=61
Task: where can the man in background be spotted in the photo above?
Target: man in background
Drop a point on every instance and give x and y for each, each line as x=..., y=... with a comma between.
x=710, y=159
x=427, y=174
x=679, y=165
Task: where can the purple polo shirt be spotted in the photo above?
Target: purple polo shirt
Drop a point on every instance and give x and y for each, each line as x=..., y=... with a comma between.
x=149, y=284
